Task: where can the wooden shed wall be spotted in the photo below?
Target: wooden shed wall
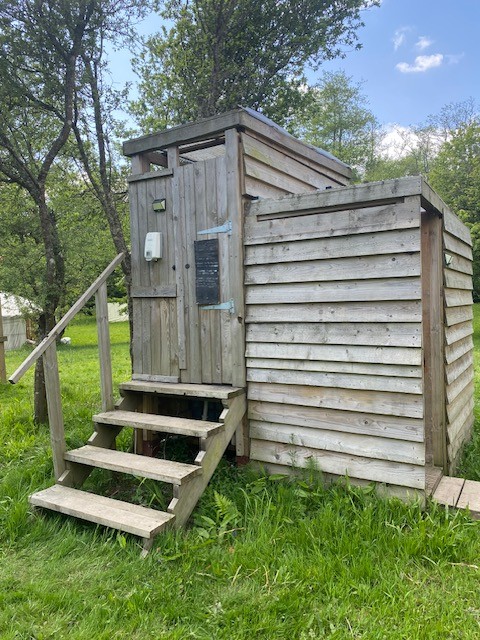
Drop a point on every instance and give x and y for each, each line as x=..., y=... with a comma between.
x=272, y=171
x=334, y=337
x=458, y=334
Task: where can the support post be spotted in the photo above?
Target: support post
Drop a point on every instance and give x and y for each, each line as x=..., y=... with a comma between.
x=3, y=368
x=103, y=332
x=55, y=414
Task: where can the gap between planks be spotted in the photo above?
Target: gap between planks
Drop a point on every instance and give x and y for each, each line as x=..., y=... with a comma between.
x=459, y=493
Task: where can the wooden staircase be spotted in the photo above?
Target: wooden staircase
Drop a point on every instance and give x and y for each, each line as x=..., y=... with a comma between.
x=188, y=480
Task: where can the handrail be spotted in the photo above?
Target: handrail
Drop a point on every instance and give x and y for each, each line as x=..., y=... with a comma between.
x=62, y=324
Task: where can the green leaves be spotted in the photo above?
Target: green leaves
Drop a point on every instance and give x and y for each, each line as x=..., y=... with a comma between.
x=222, y=53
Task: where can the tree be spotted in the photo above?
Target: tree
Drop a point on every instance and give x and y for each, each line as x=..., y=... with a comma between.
x=38, y=65
x=222, y=53
x=455, y=175
x=336, y=118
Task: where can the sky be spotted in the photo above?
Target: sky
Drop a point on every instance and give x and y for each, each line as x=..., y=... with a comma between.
x=416, y=57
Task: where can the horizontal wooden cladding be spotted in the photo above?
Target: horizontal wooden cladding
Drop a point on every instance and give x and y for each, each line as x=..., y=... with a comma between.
x=454, y=245
x=336, y=380
x=457, y=280
x=456, y=227
x=394, y=266
x=394, y=311
x=459, y=384
x=329, y=366
x=351, y=291
x=461, y=422
x=464, y=432
x=355, y=195
x=458, y=332
x=401, y=356
x=459, y=366
x=369, y=446
x=457, y=298
x=397, y=428
x=458, y=263
x=257, y=189
x=458, y=349
x=458, y=315
x=339, y=463
x=276, y=177
x=370, y=244
x=309, y=175
x=406, y=334
x=455, y=407
x=378, y=402
x=333, y=224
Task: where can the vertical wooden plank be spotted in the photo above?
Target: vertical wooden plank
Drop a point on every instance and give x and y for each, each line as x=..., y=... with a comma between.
x=170, y=350
x=192, y=311
x=55, y=414
x=103, y=332
x=136, y=258
x=178, y=204
x=3, y=368
x=433, y=341
x=236, y=215
x=235, y=188
x=145, y=277
x=216, y=216
x=202, y=190
x=225, y=318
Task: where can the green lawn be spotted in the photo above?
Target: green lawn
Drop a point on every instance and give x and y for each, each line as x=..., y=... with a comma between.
x=265, y=558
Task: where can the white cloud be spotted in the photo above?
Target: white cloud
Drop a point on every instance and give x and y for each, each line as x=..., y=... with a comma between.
x=421, y=64
x=423, y=43
x=400, y=37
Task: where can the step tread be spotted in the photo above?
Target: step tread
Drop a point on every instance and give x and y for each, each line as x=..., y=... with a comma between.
x=165, y=424
x=124, y=516
x=208, y=391
x=154, y=468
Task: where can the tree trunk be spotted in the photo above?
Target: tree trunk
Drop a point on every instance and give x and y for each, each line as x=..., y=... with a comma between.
x=55, y=282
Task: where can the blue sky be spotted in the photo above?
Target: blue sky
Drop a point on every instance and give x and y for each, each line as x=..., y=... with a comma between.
x=417, y=56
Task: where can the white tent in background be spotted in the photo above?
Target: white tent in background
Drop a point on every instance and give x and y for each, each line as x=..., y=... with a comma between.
x=14, y=324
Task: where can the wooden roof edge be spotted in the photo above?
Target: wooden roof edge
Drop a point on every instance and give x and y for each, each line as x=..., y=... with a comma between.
x=431, y=201
x=238, y=118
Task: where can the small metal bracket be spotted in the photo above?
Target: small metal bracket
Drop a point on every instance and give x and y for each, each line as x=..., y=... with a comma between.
x=223, y=306
x=225, y=228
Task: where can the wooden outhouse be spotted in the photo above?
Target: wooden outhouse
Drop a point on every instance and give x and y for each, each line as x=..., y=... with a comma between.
x=345, y=310
x=315, y=322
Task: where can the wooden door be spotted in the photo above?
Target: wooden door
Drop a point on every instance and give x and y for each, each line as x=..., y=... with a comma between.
x=207, y=304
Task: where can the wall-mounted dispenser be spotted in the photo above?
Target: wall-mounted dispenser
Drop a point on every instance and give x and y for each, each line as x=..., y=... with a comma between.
x=153, y=246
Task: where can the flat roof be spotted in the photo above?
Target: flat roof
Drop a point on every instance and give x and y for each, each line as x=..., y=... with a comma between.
x=241, y=118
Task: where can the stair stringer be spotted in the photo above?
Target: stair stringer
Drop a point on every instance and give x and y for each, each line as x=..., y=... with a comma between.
x=212, y=449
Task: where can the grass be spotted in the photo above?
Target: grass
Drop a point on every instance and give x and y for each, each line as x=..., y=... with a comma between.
x=265, y=557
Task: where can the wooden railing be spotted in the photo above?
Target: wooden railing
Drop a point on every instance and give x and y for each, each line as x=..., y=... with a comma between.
x=48, y=350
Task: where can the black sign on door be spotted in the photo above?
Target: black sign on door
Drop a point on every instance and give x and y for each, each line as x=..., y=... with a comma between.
x=207, y=270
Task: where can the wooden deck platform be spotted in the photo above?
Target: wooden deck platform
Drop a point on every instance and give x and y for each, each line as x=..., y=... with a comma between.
x=459, y=493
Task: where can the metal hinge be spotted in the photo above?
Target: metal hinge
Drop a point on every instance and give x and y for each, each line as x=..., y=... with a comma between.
x=223, y=306
x=225, y=228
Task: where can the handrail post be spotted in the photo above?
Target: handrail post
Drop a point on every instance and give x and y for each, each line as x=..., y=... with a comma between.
x=103, y=331
x=55, y=414
x=3, y=369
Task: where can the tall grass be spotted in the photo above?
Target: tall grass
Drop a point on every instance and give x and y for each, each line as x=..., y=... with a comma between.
x=269, y=558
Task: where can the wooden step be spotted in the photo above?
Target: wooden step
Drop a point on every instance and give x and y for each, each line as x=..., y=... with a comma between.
x=165, y=424
x=207, y=391
x=127, y=517
x=163, y=470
